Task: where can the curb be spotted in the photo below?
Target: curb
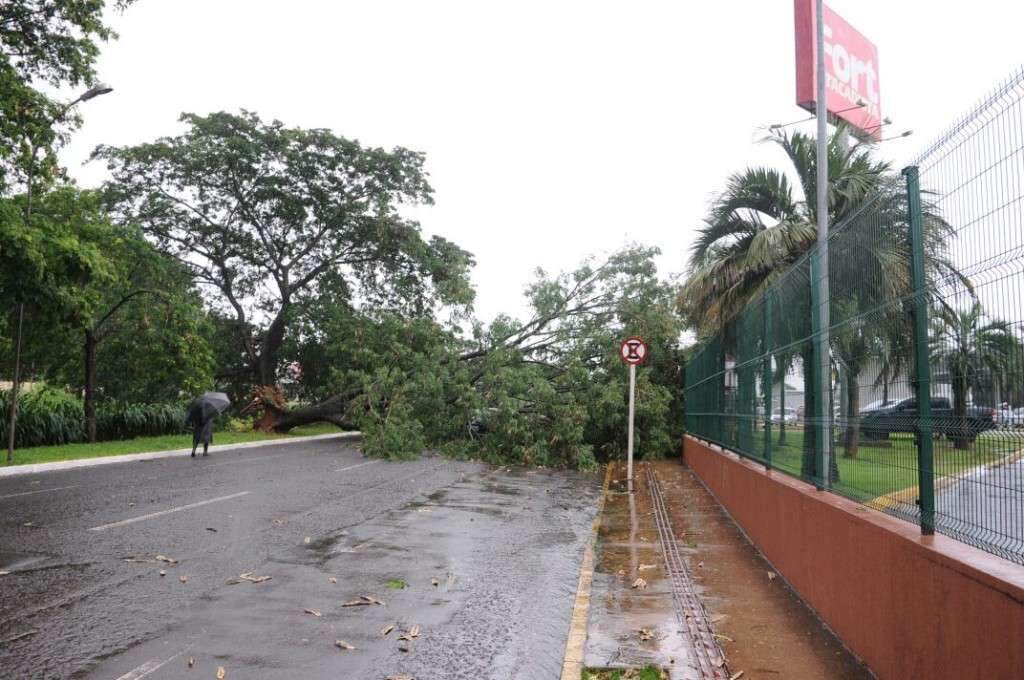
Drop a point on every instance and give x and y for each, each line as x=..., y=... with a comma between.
x=36, y=468
x=908, y=495
x=572, y=663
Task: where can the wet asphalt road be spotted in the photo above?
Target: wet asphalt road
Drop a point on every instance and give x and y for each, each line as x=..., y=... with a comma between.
x=490, y=555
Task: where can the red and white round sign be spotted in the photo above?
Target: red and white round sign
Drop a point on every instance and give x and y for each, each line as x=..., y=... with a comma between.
x=633, y=350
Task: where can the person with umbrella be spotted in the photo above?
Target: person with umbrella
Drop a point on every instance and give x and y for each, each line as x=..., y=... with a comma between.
x=203, y=410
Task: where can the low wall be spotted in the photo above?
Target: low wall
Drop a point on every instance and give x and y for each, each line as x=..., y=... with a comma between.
x=910, y=606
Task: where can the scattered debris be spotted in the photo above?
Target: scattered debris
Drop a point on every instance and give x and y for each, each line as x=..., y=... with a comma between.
x=736, y=676
x=645, y=567
x=314, y=612
x=27, y=524
x=4, y=573
x=343, y=645
x=138, y=560
x=386, y=630
x=232, y=582
x=168, y=560
x=163, y=573
x=307, y=540
x=396, y=584
x=404, y=646
x=332, y=579
x=722, y=637
x=646, y=634
x=191, y=661
x=410, y=634
x=221, y=673
x=248, y=576
x=183, y=579
x=434, y=582
x=700, y=564
x=400, y=677
x=772, y=576
x=278, y=522
x=639, y=584
x=211, y=529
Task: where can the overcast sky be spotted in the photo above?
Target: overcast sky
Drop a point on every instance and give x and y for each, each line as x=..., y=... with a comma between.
x=552, y=129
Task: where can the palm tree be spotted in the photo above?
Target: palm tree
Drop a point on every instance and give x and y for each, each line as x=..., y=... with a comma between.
x=966, y=345
x=758, y=227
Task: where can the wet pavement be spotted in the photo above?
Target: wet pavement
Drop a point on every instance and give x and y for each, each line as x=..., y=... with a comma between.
x=489, y=558
x=760, y=625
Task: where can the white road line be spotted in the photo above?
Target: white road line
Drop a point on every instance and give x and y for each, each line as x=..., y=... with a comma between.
x=150, y=666
x=353, y=467
x=29, y=493
x=246, y=459
x=166, y=512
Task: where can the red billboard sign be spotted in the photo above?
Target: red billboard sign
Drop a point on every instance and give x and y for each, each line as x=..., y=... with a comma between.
x=851, y=70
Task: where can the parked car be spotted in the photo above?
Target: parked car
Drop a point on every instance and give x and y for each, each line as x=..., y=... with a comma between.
x=1008, y=417
x=879, y=423
x=786, y=416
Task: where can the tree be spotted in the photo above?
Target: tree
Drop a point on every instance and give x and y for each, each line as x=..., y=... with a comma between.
x=967, y=345
x=120, y=284
x=546, y=390
x=264, y=216
x=43, y=41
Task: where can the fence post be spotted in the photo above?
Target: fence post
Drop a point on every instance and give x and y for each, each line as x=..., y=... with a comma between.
x=768, y=379
x=922, y=368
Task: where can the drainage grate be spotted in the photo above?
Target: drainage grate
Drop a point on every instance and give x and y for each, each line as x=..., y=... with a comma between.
x=689, y=609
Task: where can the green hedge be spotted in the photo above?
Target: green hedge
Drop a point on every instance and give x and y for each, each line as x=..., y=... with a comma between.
x=48, y=417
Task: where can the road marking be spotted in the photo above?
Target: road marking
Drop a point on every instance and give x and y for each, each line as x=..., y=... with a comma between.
x=167, y=512
x=29, y=493
x=149, y=667
x=353, y=467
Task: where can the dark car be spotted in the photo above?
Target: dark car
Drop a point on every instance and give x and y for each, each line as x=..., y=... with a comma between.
x=879, y=423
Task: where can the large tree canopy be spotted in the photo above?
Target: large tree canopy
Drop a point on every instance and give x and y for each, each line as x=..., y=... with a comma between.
x=265, y=215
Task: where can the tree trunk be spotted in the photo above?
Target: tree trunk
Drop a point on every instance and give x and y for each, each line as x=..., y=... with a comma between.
x=808, y=464
x=851, y=441
x=89, y=401
x=782, y=410
x=334, y=410
x=271, y=346
x=960, y=434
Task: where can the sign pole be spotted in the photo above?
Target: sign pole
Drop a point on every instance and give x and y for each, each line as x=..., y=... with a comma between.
x=632, y=352
x=629, y=447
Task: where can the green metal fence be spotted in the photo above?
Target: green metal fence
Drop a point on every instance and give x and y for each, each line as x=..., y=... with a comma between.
x=926, y=409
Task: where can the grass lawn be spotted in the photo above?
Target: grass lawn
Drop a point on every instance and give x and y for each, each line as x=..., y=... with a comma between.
x=48, y=454
x=648, y=673
x=878, y=470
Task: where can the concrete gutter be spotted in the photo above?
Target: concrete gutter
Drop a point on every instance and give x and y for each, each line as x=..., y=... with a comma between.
x=37, y=468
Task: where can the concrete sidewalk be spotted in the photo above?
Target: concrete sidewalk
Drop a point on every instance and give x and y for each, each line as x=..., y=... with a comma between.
x=709, y=605
x=37, y=468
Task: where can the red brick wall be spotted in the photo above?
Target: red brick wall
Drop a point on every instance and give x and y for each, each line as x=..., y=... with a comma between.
x=910, y=606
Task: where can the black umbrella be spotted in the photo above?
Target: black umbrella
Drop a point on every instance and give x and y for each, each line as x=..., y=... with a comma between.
x=207, y=406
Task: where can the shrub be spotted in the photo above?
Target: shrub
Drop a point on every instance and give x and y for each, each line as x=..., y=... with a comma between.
x=49, y=417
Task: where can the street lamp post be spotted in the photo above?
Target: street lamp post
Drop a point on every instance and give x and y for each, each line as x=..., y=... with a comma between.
x=92, y=92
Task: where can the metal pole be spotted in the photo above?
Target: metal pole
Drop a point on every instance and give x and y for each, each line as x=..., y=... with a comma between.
x=768, y=379
x=629, y=446
x=12, y=421
x=14, y=388
x=922, y=369
x=823, y=440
